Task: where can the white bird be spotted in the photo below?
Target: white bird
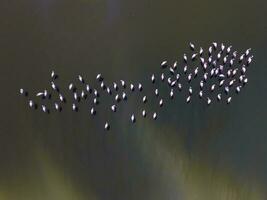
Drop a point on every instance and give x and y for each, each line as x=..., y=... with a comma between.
x=231, y=82
x=123, y=83
x=174, y=65
x=241, y=57
x=114, y=108
x=153, y=78
x=241, y=78
x=44, y=109
x=217, y=71
x=210, y=59
x=225, y=59
x=226, y=89
x=164, y=64
x=154, y=115
x=205, y=76
x=96, y=93
x=219, y=97
x=156, y=92
x=245, y=80
x=93, y=111
x=81, y=79
x=238, y=89
x=214, y=63
x=234, y=54
x=219, y=55
x=222, y=47
x=205, y=66
x=57, y=107
x=194, y=56
x=53, y=75
x=124, y=96
x=221, y=76
x=21, y=91
x=162, y=77
x=180, y=86
x=132, y=87
x=208, y=101
x=196, y=71
x=171, y=70
x=144, y=99
x=188, y=99
x=160, y=102
x=31, y=104
x=234, y=71
x=74, y=107
x=109, y=91
x=221, y=68
x=221, y=83
x=169, y=81
x=210, y=50
x=189, y=77
x=99, y=77
x=173, y=83
x=71, y=86
x=61, y=98
x=117, y=98
x=249, y=60
x=177, y=77
x=192, y=46
x=144, y=113
x=115, y=86
x=96, y=101
x=83, y=95
x=214, y=45
x=229, y=72
x=212, y=87
x=200, y=94
x=228, y=49
x=212, y=72
x=190, y=90
x=40, y=94
x=107, y=127
x=229, y=100
x=140, y=87
x=247, y=51
x=185, y=68
x=243, y=69
x=102, y=85
x=202, y=60
x=133, y=118
x=171, y=94
x=185, y=58
x=201, y=51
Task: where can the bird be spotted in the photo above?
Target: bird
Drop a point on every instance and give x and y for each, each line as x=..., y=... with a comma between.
x=154, y=116
x=45, y=109
x=61, y=98
x=222, y=47
x=189, y=77
x=164, y=64
x=192, y=46
x=132, y=87
x=80, y=78
x=201, y=84
x=156, y=92
x=23, y=92
x=53, y=75
x=107, y=126
x=123, y=84
x=180, y=86
x=171, y=70
x=221, y=83
x=124, y=96
x=96, y=93
x=185, y=68
x=115, y=86
x=109, y=91
x=83, y=95
x=144, y=99
x=201, y=51
x=173, y=83
x=212, y=87
x=161, y=103
x=143, y=113
x=215, y=45
x=140, y=87
x=96, y=102
x=57, y=106
x=208, y=101
x=174, y=65
x=171, y=94
x=114, y=108
x=190, y=90
x=93, y=111
x=54, y=87
x=238, y=89
x=229, y=100
x=228, y=49
x=162, y=77
x=102, y=85
x=247, y=52
x=74, y=107
x=185, y=58
x=32, y=104
x=99, y=77
x=219, y=97
x=188, y=99
x=226, y=89
x=88, y=88
x=117, y=98
x=153, y=78
x=133, y=118
x=194, y=56
x=177, y=76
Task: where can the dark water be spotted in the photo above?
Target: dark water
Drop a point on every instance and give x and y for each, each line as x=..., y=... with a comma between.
x=192, y=152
